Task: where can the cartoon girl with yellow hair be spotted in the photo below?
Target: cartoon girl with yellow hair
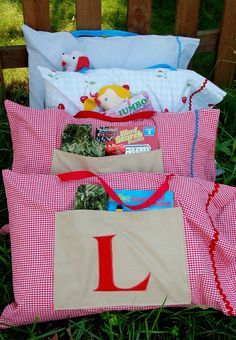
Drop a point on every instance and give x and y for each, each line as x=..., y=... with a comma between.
x=107, y=97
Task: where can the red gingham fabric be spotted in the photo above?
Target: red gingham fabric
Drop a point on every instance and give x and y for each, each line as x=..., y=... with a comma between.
x=35, y=133
x=209, y=224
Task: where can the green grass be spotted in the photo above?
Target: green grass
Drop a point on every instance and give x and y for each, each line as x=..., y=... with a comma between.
x=164, y=323
x=226, y=139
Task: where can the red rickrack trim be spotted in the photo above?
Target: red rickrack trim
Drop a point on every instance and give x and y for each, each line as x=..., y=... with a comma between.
x=212, y=246
x=212, y=194
x=197, y=91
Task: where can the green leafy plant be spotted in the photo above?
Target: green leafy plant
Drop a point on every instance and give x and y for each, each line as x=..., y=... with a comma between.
x=78, y=139
x=91, y=197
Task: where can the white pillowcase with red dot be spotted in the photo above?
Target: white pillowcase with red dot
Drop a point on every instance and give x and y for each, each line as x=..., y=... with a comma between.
x=169, y=91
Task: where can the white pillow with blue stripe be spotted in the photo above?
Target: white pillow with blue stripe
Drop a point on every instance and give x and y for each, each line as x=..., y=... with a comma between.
x=128, y=52
x=137, y=52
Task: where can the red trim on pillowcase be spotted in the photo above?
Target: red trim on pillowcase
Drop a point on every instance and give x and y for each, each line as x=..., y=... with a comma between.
x=100, y=116
x=212, y=246
x=195, y=92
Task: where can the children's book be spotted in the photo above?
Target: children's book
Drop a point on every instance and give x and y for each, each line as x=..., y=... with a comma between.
x=127, y=139
x=135, y=197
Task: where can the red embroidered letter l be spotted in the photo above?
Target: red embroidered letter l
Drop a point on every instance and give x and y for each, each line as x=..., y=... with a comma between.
x=106, y=280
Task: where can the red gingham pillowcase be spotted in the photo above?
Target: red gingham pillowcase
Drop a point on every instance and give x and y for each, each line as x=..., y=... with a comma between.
x=187, y=140
x=209, y=227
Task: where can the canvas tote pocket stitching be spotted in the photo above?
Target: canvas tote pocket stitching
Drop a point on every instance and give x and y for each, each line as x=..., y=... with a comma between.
x=64, y=161
x=78, y=269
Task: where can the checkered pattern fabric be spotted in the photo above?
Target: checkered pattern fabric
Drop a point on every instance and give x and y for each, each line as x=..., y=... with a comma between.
x=169, y=91
x=187, y=140
x=209, y=226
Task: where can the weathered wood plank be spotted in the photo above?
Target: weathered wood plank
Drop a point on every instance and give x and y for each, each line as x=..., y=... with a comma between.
x=16, y=56
x=226, y=57
x=186, y=22
x=13, y=56
x=139, y=16
x=88, y=14
x=208, y=40
x=36, y=14
x=1, y=74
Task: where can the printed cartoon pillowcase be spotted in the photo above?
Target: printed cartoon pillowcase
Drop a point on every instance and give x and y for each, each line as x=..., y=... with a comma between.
x=167, y=90
x=35, y=200
x=45, y=49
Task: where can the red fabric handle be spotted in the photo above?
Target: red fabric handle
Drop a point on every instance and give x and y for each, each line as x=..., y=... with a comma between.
x=100, y=116
x=76, y=175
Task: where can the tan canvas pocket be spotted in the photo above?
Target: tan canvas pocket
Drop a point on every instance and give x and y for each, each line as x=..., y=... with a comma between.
x=143, y=162
x=120, y=259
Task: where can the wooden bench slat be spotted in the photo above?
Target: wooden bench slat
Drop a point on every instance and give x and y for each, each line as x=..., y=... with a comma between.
x=1, y=73
x=186, y=22
x=37, y=14
x=139, y=16
x=16, y=56
x=88, y=14
x=208, y=40
x=13, y=56
x=226, y=57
